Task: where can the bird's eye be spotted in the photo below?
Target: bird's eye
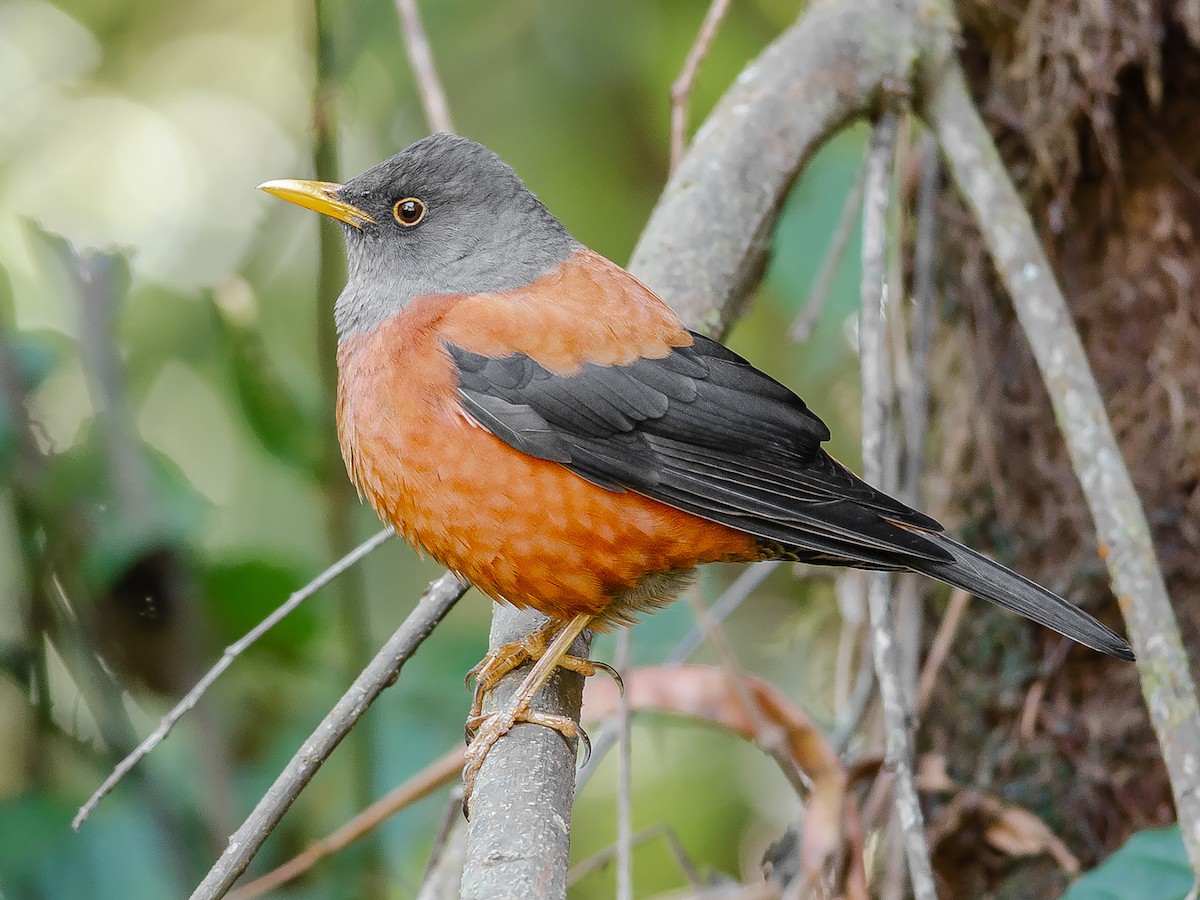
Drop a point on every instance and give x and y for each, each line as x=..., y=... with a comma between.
x=409, y=211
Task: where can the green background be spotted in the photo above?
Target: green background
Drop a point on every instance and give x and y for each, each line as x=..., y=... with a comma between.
x=143, y=127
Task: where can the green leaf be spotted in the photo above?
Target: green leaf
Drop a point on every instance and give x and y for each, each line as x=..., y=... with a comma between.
x=1152, y=865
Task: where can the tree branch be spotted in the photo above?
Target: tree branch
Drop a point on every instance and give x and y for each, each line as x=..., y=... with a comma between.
x=874, y=424
x=825, y=70
x=379, y=674
x=518, y=839
x=1121, y=528
x=681, y=90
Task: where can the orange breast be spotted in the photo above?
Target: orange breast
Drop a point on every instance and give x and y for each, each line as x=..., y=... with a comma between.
x=520, y=529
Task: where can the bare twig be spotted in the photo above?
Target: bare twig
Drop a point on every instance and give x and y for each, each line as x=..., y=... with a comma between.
x=767, y=736
x=420, y=57
x=856, y=704
x=600, y=859
x=732, y=597
x=681, y=90
x=1121, y=528
x=435, y=775
x=959, y=599
x=871, y=352
x=814, y=78
x=832, y=261
x=911, y=380
x=723, y=607
x=380, y=673
x=338, y=496
x=443, y=874
x=231, y=653
x=915, y=399
x=624, y=775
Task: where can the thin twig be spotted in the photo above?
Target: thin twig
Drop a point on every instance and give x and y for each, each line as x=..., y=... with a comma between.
x=232, y=652
x=681, y=90
x=815, y=77
x=822, y=284
x=915, y=400
x=420, y=57
x=338, y=496
x=624, y=775
x=379, y=674
x=959, y=599
x=443, y=872
x=732, y=597
x=435, y=775
x=767, y=736
x=601, y=858
x=1121, y=528
x=723, y=607
x=856, y=705
x=871, y=352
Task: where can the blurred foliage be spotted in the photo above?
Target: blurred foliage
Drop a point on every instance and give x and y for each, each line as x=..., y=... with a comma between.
x=144, y=127
x=1152, y=865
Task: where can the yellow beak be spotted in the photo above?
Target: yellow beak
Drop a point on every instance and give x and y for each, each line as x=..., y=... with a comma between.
x=320, y=196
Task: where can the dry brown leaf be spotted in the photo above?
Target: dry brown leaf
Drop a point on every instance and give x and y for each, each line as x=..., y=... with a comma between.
x=1018, y=832
x=831, y=822
x=1012, y=830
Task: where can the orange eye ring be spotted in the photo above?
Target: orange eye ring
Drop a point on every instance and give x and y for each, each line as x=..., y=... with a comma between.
x=409, y=211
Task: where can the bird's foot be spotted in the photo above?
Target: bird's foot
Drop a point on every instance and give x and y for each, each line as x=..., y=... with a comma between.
x=483, y=731
x=532, y=647
x=488, y=729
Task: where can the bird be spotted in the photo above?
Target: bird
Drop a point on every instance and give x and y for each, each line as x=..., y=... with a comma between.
x=532, y=416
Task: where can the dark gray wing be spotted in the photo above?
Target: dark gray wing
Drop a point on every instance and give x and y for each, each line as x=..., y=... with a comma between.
x=704, y=431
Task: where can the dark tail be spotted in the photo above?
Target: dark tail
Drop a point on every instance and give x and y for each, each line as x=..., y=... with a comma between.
x=992, y=581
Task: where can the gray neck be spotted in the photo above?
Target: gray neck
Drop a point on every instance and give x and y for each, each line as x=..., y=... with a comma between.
x=384, y=278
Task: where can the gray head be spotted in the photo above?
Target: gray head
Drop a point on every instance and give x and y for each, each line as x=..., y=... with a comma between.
x=444, y=216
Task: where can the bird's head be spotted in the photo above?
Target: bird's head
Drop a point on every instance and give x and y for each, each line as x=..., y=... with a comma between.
x=444, y=216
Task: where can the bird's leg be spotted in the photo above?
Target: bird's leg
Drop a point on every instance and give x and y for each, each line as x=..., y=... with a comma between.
x=532, y=647
x=490, y=728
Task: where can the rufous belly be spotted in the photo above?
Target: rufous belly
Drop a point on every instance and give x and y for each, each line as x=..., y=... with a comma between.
x=522, y=530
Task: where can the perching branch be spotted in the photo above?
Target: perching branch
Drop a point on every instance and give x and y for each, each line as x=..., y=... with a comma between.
x=379, y=674
x=518, y=838
x=1121, y=528
x=874, y=423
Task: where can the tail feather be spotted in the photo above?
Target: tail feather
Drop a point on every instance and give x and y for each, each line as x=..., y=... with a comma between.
x=1004, y=587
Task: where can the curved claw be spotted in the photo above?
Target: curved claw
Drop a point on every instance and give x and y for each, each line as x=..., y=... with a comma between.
x=586, y=741
x=611, y=673
x=471, y=727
